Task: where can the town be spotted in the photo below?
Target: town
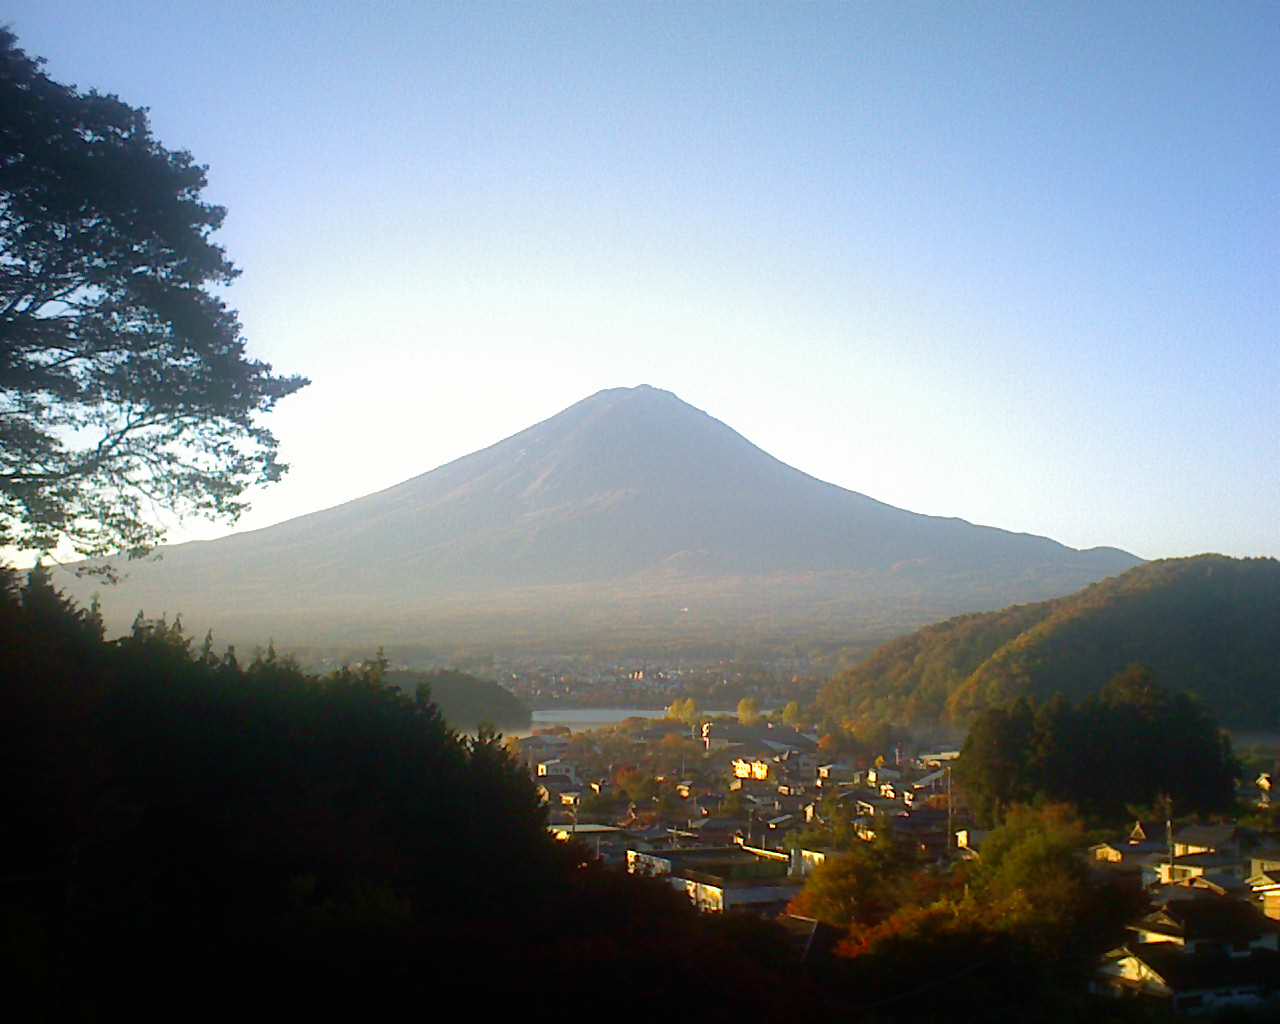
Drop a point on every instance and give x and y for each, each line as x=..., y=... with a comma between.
x=739, y=815
x=715, y=681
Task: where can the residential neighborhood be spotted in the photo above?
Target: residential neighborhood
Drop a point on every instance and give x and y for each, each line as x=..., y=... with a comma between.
x=738, y=817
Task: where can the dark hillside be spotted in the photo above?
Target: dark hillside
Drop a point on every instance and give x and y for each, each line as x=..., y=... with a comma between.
x=1208, y=625
x=465, y=700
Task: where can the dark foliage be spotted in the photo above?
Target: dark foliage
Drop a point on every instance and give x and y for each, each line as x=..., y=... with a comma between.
x=123, y=376
x=466, y=701
x=183, y=831
x=1129, y=745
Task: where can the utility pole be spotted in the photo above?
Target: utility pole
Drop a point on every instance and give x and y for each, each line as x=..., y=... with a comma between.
x=950, y=814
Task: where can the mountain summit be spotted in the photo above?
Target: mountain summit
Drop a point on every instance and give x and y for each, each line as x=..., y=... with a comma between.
x=628, y=504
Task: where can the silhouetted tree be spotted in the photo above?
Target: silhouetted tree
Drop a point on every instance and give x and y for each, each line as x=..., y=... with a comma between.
x=123, y=376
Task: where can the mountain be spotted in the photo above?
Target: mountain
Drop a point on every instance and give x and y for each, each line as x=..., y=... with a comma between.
x=1205, y=625
x=629, y=513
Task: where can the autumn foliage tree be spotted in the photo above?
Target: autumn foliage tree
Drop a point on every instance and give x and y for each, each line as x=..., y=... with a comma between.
x=1023, y=927
x=862, y=885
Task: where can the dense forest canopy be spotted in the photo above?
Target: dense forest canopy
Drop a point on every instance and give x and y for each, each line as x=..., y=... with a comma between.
x=1205, y=625
x=910, y=678
x=1132, y=745
x=182, y=829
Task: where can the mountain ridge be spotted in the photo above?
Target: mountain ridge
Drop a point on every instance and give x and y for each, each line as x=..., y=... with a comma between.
x=1204, y=624
x=629, y=485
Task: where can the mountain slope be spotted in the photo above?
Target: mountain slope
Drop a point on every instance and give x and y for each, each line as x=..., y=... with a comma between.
x=1208, y=625
x=631, y=498
x=910, y=679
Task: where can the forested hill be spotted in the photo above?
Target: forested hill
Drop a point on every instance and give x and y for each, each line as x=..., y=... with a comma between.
x=909, y=679
x=1208, y=625
x=464, y=700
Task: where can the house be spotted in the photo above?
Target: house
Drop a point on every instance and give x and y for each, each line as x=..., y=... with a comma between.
x=869, y=806
x=1264, y=860
x=834, y=774
x=563, y=833
x=1228, y=868
x=1212, y=851
x=1197, y=888
x=1193, y=839
x=718, y=894
x=933, y=782
x=1147, y=833
x=1191, y=984
x=717, y=831
x=923, y=830
x=558, y=766
x=1263, y=882
x=534, y=749
x=864, y=828
x=756, y=768
x=1216, y=924
x=1108, y=853
x=1201, y=952
x=720, y=879
x=969, y=842
x=883, y=773
x=550, y=787
x=808, y=861
x=1264, y=885
x=1118, y=862
x=801, y=765
x=770, y=736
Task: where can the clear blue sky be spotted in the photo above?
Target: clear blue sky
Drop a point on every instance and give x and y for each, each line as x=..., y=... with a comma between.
x=1018, y=264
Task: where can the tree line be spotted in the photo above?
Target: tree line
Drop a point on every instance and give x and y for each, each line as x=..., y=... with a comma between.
x=187, y=829
x=1112, y=754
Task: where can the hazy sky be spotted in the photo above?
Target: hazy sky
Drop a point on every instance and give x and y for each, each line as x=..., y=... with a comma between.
x=1018, y=264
